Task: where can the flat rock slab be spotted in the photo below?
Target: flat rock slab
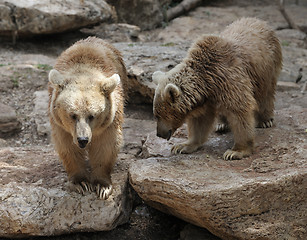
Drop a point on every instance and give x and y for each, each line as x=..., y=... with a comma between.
x=263, y=196
x=36, y=200
x=27, y=18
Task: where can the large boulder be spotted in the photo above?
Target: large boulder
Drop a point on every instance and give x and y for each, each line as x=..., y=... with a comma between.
x=36, y=200
x=260, y=197
x=24, y=18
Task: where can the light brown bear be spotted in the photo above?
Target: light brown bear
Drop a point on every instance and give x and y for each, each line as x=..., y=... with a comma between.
x=233, y=76
x=86, y=112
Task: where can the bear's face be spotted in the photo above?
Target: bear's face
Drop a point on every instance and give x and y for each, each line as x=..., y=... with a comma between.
x=166, y=106
x=82, y=107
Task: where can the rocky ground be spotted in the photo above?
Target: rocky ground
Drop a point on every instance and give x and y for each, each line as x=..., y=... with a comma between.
x=24, y=68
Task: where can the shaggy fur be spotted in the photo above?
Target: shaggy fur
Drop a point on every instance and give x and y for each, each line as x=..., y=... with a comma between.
x=232, y=76
x=86, y=112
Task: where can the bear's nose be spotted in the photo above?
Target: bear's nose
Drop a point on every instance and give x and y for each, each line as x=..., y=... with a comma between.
x=82, y=141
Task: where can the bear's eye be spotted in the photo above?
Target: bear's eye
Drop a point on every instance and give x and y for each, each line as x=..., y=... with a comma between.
x=90, y=117
x=73, y=117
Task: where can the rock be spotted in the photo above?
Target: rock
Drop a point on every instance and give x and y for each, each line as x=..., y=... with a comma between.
x=284, y=86
x=260, y=197
x=3, y=143
x=40, y=113
x=116, y=32
x=294, y=64
x=26, y=18
x=9, y=124
x=142, y=59
x=292, y=38
x=212, y=20
x=147, y=14
x=35, y=200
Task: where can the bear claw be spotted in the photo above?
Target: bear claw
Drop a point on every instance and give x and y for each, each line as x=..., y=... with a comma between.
x=184, y=148
x=235, y=155
x=221, y=128
x=104, y=192
x=266, y=124
x=83, y=187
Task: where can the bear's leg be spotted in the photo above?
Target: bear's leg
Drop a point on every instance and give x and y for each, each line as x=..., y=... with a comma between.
x=73, y=159
x=198, y=131
x=222, y=126
x=102, y=156
x=266, y=112
x=243, y=128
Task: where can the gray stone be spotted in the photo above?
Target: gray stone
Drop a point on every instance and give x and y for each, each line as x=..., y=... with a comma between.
x=212, y=20
x=40, y=112
x=292, y=38
x=147, y=14
x=9, y=124
x=285, y=86
x=294, y=60
x=260, y=197
x=3, y=143
x=22, y=17
x=36, y=200
x=116, y=32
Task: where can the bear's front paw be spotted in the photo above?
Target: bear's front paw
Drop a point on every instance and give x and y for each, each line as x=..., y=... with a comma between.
x=222, y=128
x=104, y=192
x=266, y=124
x=81, y=187
x=184, y=148
x=235, y=155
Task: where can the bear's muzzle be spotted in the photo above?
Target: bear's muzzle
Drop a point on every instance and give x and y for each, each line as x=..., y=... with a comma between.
x=82, y=141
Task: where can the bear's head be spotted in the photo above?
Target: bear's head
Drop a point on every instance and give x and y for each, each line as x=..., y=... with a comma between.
x=167, y=105
x=83, y=104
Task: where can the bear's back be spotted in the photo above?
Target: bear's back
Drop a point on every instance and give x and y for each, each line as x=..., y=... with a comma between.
x=255, y=41
x=95, y=53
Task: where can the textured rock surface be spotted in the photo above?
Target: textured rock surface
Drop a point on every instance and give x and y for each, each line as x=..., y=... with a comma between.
x=260, y=197
x=146, y=14
x=9, y=124
x=36, y=200
x=40, y=112
x=50, y=16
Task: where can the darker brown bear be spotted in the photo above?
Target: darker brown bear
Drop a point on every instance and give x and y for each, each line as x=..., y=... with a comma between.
x=233, y=76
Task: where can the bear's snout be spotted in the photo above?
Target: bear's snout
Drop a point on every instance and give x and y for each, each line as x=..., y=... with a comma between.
x=82, y=141
x=166, y=135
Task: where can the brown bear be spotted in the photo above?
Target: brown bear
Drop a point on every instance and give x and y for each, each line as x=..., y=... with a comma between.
x=86, y=112
x=233, y=76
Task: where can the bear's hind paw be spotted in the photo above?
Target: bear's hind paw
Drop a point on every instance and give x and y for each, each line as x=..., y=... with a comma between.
x=265, y=124
x=184, y=148
x=235, y=155
x=104, y=192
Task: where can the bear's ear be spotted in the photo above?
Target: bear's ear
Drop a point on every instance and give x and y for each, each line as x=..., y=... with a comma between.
x=156, y=76
x=56, y=78
x=111, y=83
x=171, y=92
